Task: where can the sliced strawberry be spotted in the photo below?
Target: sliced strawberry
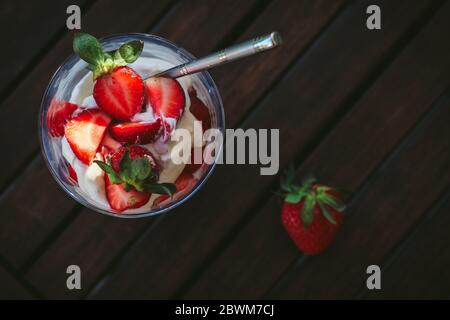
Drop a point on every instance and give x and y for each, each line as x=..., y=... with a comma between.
x=137, y=132
x=166, y=97
x=85, y=133
x=135, y=152
x=58, y=114
x=184, y=182
x=199, y=109
x=110, y=143
x=120, y=93
x=119, y=199
x=72, y=173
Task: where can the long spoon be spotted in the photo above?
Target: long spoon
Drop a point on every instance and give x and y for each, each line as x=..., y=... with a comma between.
x=235, y=52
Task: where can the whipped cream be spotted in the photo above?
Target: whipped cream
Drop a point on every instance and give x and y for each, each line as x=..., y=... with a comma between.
x=91, y=178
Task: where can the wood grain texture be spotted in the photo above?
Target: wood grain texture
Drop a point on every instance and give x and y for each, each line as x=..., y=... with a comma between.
x=419, y=268
x=197, y=229
x=10, y=288
x=357, y=145
x=26, y=29
x=112, y=235
x=389, y=206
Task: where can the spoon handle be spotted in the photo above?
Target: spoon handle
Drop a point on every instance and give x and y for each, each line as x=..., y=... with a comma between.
x=223, y=56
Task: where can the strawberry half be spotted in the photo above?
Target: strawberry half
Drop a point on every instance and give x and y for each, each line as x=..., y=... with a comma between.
x=166, y=96
x=120, y=93
x=199, y=109
x=118, y=90
x=311, y=215
x=57, y=116
x=120, y=200
x=137, y=132
x=85, y=133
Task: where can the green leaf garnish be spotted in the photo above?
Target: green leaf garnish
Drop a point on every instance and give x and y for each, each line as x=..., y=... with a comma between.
x=88, y=48
x=104, y=166
x=140, y=168
x=326, y=213
x=130, y=51
x=161, y=188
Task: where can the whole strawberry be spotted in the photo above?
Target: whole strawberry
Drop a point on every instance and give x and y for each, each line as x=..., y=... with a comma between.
x=118, y=89
x=311, y=214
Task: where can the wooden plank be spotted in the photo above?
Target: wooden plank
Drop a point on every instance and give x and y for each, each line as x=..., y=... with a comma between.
x=112, y=235
x=399, y=195
x=419, y=269
x=197, y=229
x=10, y=288
x=51, y=206
x=27, y=29
x=357, y=146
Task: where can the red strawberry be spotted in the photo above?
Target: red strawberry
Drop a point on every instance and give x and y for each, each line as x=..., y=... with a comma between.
x=199, y=110
x=119, y=199
x=166, y=97
x=120, y=93
x=185, y=181
x=110, y=143
x=135, y=152
x=85, y=133
x=72, y=173
x=137, y=132
x=58, y=114
x=311, y=215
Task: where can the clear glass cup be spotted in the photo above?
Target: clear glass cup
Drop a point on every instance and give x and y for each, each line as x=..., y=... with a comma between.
x=74, y=69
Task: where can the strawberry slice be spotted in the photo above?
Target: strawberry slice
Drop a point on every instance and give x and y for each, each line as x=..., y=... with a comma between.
x=120, y=200
x=166, y=96
x=72, y=173
x=120, y=93
x=85, y=133
x=135, y=152
x=184, y=182
x=199, y=109
x=137, y=132
x=110, y=143
x=58, y=114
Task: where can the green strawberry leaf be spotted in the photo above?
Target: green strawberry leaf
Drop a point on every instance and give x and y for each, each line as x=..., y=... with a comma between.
x=105, y=167
x=127, y=186
x=140, y=168
x=326, y=213
x=160, y=188
x=129, y=52
x=125, y=167
x=331, y=201
x=307, y=212
x=114, y=178
x=88, y=48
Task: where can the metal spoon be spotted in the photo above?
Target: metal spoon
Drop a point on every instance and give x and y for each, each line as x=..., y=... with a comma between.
x=223, y=56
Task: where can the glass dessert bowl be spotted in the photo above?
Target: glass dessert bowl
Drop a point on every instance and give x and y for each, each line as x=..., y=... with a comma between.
x=117, y=159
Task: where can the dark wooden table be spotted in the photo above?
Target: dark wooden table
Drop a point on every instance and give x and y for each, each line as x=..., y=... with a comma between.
x=366, y=110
